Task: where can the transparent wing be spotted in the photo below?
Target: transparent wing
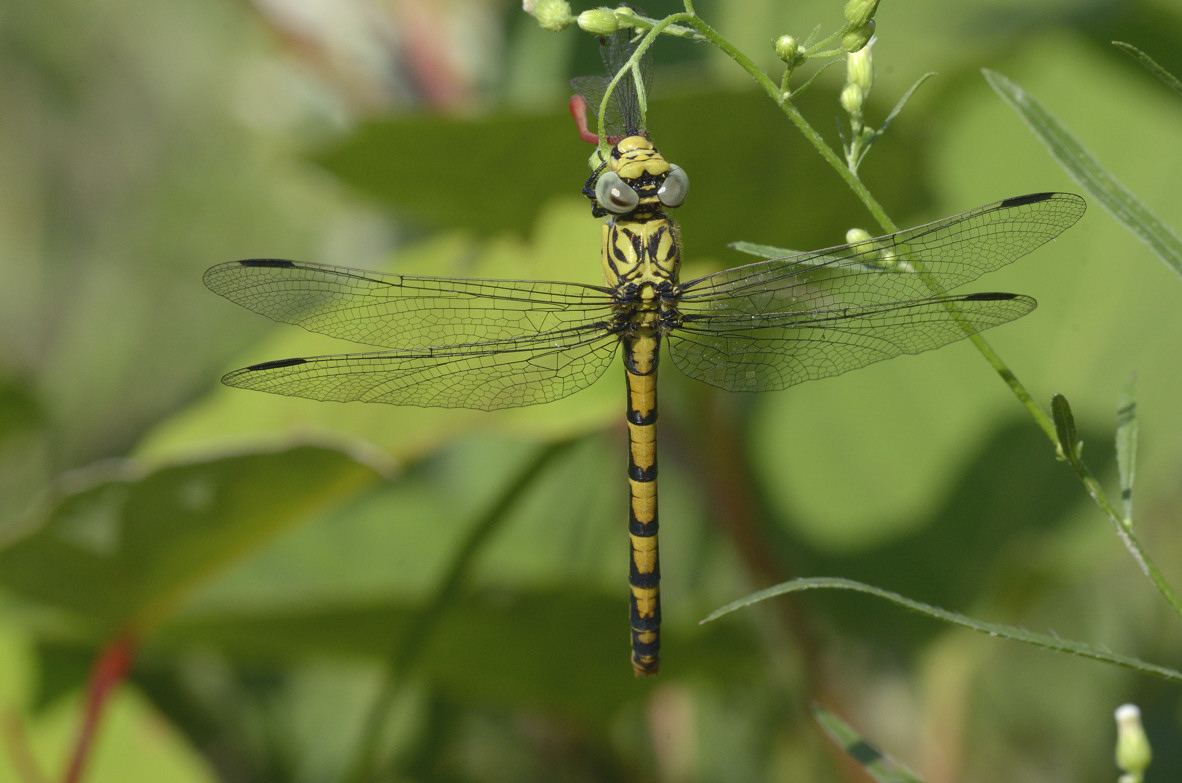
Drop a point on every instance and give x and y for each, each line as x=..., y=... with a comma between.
x=776, y=323
x=736, y=355
x=485, y=376
x=404, y=311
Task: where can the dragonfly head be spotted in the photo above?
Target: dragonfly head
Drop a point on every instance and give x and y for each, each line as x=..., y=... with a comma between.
x=636, y=177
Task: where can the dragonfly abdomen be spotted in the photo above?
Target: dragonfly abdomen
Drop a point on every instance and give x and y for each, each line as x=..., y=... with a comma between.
x=644, y=570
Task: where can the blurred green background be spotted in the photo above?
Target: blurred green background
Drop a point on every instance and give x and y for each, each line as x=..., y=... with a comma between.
x=291, y=564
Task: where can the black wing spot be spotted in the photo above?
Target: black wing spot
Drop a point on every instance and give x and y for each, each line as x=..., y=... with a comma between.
x=276, y=364
x=1029, y=198
x=988, y=296
x=271, y=263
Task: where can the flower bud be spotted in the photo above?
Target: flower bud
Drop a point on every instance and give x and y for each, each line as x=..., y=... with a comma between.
x=858, y=37
x=855, y=235
x=859, y=12
x=852, y=98
x=598, y=21
x=859, y=68
x=552, y=15
x=626, y=16
x=787, y=49
x=1132, y=746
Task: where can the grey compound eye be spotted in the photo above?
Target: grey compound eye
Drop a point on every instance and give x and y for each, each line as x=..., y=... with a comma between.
x=614, y=195
x=675, y=188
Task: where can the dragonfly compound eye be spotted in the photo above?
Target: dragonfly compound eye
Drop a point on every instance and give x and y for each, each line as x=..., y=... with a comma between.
x=614, y=195
x=675, y=188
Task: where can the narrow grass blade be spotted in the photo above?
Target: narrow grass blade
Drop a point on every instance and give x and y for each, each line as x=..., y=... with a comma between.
x=903, y=102
x=763, y=251
x=1150, y=65
x=1087, y=171
x=1126, y=444
x=1011, y=632
x=879, y=766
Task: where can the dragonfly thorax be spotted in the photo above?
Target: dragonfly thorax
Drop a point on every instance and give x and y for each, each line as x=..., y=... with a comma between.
x=640, y=247
x=635, y=156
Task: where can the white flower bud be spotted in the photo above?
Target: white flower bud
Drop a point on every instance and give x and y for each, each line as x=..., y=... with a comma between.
x=1132, y=746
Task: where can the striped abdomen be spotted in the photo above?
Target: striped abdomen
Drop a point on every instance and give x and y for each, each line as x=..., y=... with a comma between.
x=644, y=570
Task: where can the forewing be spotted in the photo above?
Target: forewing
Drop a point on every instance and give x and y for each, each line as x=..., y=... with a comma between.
x=406, y=311
x=779, y=322
x=912, y=264
x=484, y=376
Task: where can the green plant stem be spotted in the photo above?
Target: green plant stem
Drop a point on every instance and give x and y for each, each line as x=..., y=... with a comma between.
x=1011, y=632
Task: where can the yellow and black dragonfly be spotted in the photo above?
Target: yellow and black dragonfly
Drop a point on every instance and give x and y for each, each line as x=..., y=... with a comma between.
x=492, y=344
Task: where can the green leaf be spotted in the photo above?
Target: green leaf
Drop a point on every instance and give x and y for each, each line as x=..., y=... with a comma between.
x=123, y=546
x=1087, y=171
x=903, y=102
x=877, y=134
x=1069, y=443
x=1010, y=632
x=878, y=765
x=1126, y=444
x=1150, y=65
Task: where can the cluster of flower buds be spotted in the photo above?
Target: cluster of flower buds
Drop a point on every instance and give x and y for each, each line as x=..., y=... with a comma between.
x=555, y=16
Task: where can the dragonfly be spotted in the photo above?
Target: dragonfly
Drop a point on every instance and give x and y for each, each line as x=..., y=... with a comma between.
x=490, y=344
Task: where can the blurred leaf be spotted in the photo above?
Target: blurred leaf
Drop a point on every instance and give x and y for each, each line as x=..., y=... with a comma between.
x=1151, y=65
x=118, y=545
x=1010, y=632
x=491, y=174
x=1087, y=171
x=446, y=171
x=564, y=650
x=1126, y=444
x=24, y=448
x=967, y=541
x=879, y=766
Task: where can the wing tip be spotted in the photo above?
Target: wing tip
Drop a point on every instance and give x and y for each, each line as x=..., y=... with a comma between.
x=1076, y=201
x=1029, y=198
